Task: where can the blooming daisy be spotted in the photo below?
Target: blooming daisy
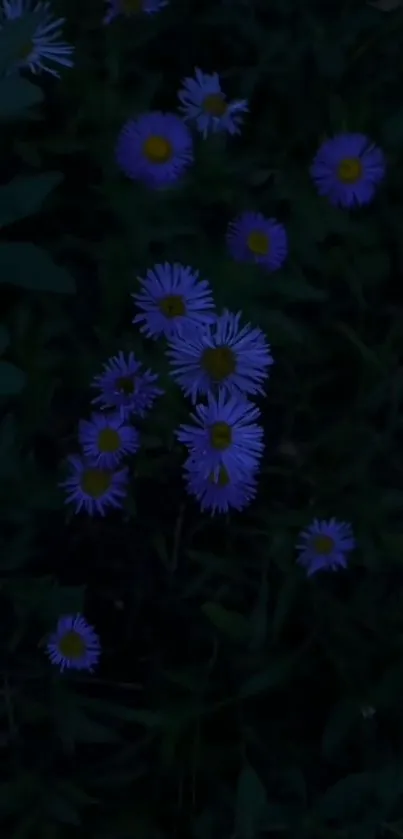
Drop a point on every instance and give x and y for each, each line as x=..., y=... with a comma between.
x=129, y=8
x=45, y=45
x=155, y=148
x=347, y=169
x=94, y=488
x=225, y=435
x=172, y=297
x=253, y=238
x=74, y=645
x=106, y=439
x=204, y=103
x=219, y=492
x=221, y=356
x=124, y=386
x=324, y=545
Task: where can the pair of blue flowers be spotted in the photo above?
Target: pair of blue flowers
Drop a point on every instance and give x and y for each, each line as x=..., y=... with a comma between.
x=74, y=645
x=157, y=149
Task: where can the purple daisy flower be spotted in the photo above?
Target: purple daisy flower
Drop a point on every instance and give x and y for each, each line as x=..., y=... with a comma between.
x=324, y=545
x=219, y=492
x=155, y=149
x=253, y=238
x=204, y=103
x=172, y=298
x=74, y=645
x=45, y=45
x=94, y=488
x=221, y=356
x=125, y=386
x=129, y=8
x=225, y=435
x=347, y=169
x=106, y=439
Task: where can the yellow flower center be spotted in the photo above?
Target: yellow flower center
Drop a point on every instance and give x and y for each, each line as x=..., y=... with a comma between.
x=323, y=544
x=258, y=243
x=219, y=362
x=157, y=149
x=109, y=440
x=126, y=385
x=222, y=479
x=173, y=306
x=350, y=170
x=214, y=104
x=96, y=482
x=220, y=435
x=132, y=6
x=72, y=645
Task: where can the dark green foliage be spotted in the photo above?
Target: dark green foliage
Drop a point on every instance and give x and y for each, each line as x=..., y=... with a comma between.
x=235, y=698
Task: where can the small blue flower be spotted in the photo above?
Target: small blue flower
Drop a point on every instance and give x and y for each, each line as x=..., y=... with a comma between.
x=347, y=170
x=74, y=645
x=172, y=298
x=225, y=435
x=125, y=387
x=324, y=545
x=106, y=439
x=218, y=492
x=253, y=238
x=129, y=8
x=45, y=45
x=93, y=488
x=155, y=149
x=204, y=103
x=221, y=356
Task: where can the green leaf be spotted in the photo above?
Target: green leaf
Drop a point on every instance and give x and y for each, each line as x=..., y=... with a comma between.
x=22, y=197
x=4, y=338
x=16, y=95
x=27, y=266
x=250, y=803
x=230, y=623
x=89, y=731
x=286, y=599
x=9, y=461
x=291, y=284
x=61, y=810
x=392, y=129
x=258, y=618
x=348, y=798
x=366, y=354
x=277, y=673
x=15, y=35
x=12, y=379
x=342, y=719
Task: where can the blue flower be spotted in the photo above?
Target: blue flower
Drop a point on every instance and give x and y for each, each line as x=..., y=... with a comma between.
x=74, y=645
x=225, y=435
x=347, y=169
x=172, y=298
x=129, y=8
x=253, y=238
x=204, y=103
x=219, y=492
x=221, y=356
x=324, y=545
x=125, y=386
x=106, y=439
x=94, y=488
x=45, y=45
x=155, y=149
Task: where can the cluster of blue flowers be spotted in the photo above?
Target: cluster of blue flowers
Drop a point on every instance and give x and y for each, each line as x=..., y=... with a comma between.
x=219, y=363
